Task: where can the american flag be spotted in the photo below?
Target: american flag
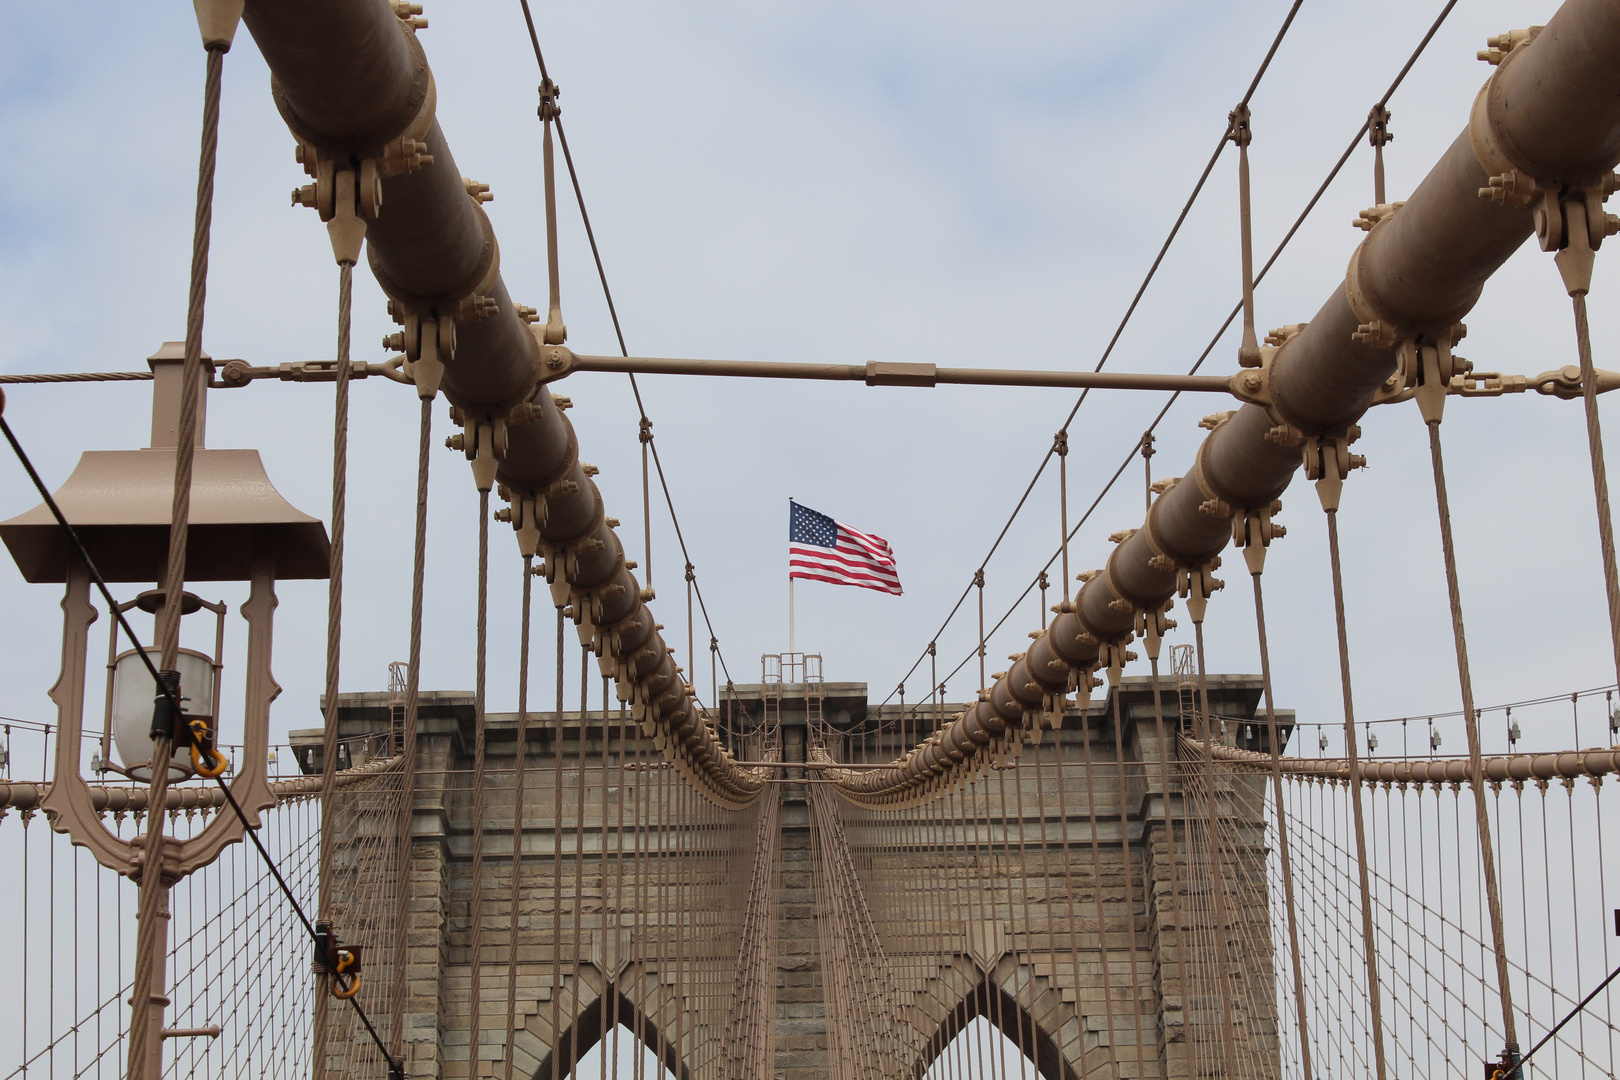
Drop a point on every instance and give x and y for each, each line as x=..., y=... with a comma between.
x=821, y=549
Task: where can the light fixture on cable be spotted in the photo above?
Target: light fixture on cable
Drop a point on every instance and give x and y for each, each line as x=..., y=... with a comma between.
x=131, y=702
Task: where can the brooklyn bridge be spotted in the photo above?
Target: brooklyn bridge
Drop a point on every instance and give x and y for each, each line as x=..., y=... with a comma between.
x=1110, y=854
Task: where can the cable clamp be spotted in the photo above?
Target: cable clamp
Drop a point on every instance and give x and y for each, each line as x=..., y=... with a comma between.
x=1254, y=384
x=555, y=361
x=524, y=516
x=345, y=196
x=1328, y=462
x=1195, y=585
x=165, y=721
x=1151, y=626
x=1378, y=133
x=1253, y=532
x=549, y=93
x=338, y=961
x=1238, y=126
x=483, y=440
x=1114, y=657
x=185, y=730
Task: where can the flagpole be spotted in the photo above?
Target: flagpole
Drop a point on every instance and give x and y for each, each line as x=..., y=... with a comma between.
x=790, y=575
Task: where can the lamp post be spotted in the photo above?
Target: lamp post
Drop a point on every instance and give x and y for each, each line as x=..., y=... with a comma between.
x=241, y=529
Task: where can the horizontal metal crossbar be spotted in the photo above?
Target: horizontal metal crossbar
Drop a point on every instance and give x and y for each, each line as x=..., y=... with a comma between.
x=879, y=373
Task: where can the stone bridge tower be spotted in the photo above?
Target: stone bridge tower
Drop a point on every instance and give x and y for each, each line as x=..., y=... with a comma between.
x=1054, y=909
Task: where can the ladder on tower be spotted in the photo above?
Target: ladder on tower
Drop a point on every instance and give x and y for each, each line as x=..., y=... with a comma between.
x=398, y=683
x=770, y=678
x=815, y=691
x=1186, y=673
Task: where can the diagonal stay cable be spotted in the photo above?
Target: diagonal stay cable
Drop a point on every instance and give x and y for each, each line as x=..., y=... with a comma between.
x=1130, y=311
x=1237, y=309
x=973, y=653
x=1503, y=1072
x=618, y=331
x=395, y=1068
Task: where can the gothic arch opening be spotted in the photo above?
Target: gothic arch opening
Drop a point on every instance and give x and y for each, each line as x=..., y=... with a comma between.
x=1006, y=1019
x=624, y=1055
x=981, y=1049
x=585, y=1037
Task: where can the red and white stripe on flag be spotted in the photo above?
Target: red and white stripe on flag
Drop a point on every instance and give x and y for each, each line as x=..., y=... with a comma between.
x=821, y=549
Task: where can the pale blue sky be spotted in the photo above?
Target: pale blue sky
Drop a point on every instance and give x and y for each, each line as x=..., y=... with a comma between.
x=966, y=185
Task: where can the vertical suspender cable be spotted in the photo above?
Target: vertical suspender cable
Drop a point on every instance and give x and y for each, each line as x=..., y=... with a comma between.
x=638, y=1004
x=1060, y=445
x=1378, y=134
x=609, y=1009
x=949, y=906
x=977, y=903
x=1014, y=919
x=518, y=778
x=556, y=864
x=334, y=611
x=1217, y=885
x=620, y=944
x=1476, y=778
x=1023, y=850
x=938, y=692
x=1147, y=470
x=683, y=917
x=1130, y=888
x=978, y=583
x=475, y=916
x=1600, y=475
x=1097, y=896
x=144, y=1057
x=1282, y=830
x=646, y=437
x=1240, y=133
x=413, y=685
x=1065, y=826
x=556, y=333
x=668, y=1052
x=191, y=388
x=1167, y=747
x=691, y=640
x=579, y=855
x=1369, y=942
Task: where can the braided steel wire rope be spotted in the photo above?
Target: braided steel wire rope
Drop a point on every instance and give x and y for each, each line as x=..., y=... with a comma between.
x=154, y=890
